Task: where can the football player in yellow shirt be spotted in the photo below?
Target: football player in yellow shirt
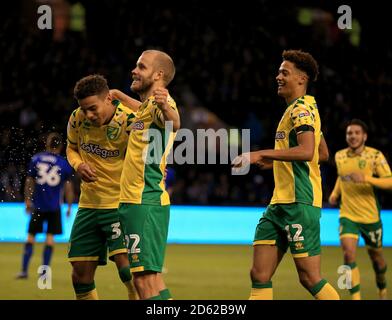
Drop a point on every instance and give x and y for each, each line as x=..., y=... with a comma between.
x=97, y=138
x=144, y=202
x=292, y=218
x=359, y=208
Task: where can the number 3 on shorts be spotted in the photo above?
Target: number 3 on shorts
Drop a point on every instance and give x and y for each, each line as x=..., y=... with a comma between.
x=136, y=241
x=116, y=230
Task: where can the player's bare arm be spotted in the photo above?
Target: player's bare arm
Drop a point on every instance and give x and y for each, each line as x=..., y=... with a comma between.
x=161, y=95
x=382, y=183
x=28, y=193
x=303, y=152
x=125, y=99
x=69, y=195
x=323, y=150
x=265, y=164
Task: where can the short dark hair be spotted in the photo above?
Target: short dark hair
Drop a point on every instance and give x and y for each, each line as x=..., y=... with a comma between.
x=91, y=85
x=54, y=140
x=360, y=123
x=304, y=61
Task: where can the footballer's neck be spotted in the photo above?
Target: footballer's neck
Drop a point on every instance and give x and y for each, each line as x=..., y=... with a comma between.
x=110, y=115
x=299, y=92
x=358, y=150
x=148, y=93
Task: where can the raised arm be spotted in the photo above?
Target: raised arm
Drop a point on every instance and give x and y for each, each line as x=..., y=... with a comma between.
x=126, y=100
x=169, y=114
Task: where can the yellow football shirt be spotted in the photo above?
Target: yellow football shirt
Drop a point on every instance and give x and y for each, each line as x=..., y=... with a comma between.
x=358, y=200
x=103, y=148
x=148, y=147
x=298, y=181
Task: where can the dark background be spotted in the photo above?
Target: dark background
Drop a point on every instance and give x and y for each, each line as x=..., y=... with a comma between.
x=227, y=56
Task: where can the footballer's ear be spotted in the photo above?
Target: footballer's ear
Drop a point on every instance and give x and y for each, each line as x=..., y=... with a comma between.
x=158, y=75
x=109, y=97
x=302, y=78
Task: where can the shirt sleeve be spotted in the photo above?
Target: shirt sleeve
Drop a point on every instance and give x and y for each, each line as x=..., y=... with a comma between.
x=337, y=162
x=130, y=119
x=73, y=128
x=382, y=168
x=302, y=118
x=337, y=190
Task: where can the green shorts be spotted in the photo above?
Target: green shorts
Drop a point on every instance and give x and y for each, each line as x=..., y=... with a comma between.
x=146, y=228
x=94, y=231
x=296, y=225
x=371, y=232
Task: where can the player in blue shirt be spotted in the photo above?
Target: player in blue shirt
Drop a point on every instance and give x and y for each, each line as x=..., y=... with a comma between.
x=48, y=174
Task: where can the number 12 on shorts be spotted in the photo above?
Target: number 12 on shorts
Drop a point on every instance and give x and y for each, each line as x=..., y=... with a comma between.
x=136, y=239
x=297, y=235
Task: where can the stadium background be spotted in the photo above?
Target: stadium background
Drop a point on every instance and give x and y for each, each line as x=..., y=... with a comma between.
x=226, y=57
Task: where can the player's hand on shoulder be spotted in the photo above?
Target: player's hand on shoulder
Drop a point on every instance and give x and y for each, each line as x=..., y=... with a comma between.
x=115, y=93
x=161, y=96
x=87, y=172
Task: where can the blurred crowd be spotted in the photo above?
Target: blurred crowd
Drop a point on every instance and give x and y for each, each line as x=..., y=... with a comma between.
x=226, y=58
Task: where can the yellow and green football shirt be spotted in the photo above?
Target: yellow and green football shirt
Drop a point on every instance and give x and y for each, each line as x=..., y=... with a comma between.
x=145, y=162
x=358, y=200
x=104, y=149
x=298, y=181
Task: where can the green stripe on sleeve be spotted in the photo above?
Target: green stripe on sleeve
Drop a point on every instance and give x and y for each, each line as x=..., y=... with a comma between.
x=302, y=185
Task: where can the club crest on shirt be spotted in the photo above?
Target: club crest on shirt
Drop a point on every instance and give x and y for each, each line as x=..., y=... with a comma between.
x=112, y=132
x=361, y=164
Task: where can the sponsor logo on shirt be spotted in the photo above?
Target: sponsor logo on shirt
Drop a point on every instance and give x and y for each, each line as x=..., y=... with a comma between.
x=280, y=135
x=96, y=149
x=304, y=114
x=137, y=125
